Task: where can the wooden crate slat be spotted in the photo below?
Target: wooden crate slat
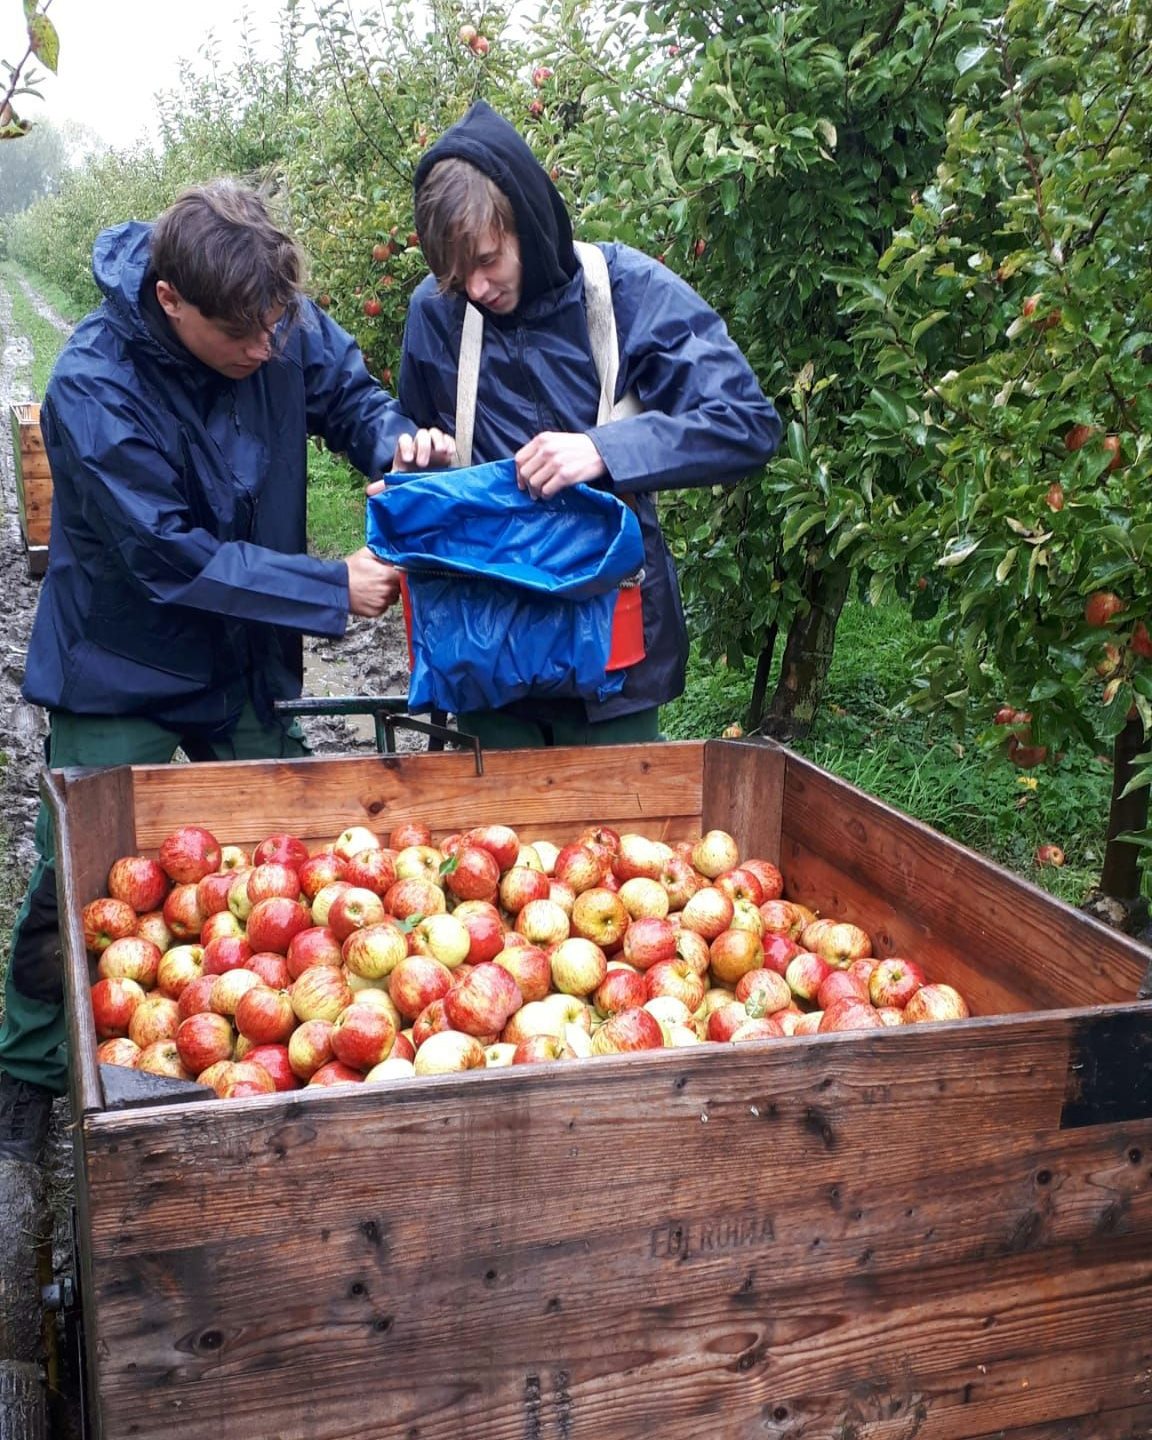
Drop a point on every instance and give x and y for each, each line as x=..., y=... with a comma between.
x=541, y=792
x=851, y=854
x=541, y=1213
x=744, y=794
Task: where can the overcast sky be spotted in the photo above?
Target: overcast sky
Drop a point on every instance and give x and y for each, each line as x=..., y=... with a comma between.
x=115, y=56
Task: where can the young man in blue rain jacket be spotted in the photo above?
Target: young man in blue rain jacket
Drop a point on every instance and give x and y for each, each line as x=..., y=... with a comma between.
x=178, y=586
x=495, y=232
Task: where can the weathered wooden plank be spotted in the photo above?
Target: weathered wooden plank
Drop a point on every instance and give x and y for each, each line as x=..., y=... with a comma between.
x=92, y=814
x=435, y=1246
x=924, y=1359
x=656, y=788
x=744, y=793
x=1001, y=939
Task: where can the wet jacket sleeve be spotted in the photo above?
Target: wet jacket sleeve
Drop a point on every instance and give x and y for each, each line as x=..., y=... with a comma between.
x=346, y=406
x=121, y=491
x=706, y=420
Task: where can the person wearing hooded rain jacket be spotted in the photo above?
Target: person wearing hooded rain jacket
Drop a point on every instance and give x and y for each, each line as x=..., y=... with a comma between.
x=178, y=583
x=496, y=233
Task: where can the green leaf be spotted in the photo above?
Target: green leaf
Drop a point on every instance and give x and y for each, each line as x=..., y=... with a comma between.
x=969, y=58
x=923, y=326
x=1006, y=564
x=44, y=41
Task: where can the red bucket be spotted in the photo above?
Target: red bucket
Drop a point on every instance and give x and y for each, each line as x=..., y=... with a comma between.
x=627, y=646
x=406, y=606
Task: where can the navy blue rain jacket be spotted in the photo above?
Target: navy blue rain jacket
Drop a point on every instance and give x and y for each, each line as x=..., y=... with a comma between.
x=177, y=582
x=706, y=421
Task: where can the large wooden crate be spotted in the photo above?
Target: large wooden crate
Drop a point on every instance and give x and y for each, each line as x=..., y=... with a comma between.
x=33, y=483
x=941, y=1232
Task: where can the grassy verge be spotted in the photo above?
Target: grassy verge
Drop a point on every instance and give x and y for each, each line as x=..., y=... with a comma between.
x=864, y=735
x=46, y=340
x=335, y=505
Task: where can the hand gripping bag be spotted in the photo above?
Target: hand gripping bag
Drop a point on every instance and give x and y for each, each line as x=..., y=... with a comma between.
x=510, y=596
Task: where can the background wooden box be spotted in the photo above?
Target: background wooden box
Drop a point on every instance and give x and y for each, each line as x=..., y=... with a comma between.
x=33, y=483
x=942, y=1232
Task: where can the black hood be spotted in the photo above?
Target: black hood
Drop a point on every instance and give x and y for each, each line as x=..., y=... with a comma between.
x=486, y=140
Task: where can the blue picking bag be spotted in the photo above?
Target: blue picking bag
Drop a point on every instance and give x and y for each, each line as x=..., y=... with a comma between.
x=510, y=596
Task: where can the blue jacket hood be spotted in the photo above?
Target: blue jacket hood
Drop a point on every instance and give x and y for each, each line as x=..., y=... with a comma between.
x=543, y=226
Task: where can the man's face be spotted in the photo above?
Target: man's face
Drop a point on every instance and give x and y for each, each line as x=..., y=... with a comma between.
x=222, y=347
x=495, y=280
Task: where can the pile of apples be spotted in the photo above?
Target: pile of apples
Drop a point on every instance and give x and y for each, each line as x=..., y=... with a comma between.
x=378, y=959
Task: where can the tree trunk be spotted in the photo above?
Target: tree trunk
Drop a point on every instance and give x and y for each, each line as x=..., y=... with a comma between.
x=764, y=660
x=1120, y=876
x=808, y=655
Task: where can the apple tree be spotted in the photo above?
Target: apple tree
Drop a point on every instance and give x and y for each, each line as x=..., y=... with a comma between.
x=1015, y=315
x=391, y=81
x=766, y=153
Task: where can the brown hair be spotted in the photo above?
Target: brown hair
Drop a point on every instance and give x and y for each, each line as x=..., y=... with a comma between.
x=217, y=245
x=456, y=207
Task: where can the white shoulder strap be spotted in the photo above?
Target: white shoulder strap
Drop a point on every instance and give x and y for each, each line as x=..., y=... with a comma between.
x=467, y=379
x=601, y=336
x=602, y=333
